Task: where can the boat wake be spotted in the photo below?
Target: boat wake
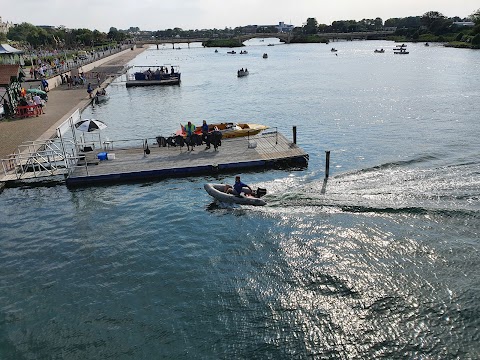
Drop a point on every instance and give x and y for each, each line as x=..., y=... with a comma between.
x=399, y=187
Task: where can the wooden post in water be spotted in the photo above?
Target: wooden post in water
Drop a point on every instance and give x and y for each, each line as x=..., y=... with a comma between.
x=294, y=134
x=327, y=163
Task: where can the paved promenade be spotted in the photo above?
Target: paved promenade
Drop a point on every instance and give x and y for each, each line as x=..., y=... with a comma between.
x=62, y=102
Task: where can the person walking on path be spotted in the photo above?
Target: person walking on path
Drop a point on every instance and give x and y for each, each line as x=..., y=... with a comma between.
x=38, y=104
x=89, y=90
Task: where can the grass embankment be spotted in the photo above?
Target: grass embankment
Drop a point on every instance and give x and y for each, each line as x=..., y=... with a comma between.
x=222, y=43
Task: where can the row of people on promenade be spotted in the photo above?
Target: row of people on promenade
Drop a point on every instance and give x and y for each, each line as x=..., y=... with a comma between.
x=50, y=67
x=76, y=81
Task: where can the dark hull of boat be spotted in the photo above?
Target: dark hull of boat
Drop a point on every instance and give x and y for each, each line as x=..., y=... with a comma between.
x=171, y=81
x=217, y=191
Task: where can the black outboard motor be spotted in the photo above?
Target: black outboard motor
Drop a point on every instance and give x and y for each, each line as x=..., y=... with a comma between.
x=260, y=192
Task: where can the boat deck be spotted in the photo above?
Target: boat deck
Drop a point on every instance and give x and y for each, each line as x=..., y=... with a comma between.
x=131, y=164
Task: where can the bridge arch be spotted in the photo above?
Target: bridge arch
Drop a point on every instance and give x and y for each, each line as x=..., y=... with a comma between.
x=285, y=37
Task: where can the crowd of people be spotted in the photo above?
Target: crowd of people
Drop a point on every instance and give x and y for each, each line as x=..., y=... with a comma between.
x=46, y=64
x=190, y=132
x=155, y=75
x=29, y=104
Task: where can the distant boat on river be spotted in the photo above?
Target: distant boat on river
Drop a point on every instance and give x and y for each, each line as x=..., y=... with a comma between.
x=242, y=73
x=160, y=76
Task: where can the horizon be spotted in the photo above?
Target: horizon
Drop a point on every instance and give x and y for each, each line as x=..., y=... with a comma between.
x=215, y=14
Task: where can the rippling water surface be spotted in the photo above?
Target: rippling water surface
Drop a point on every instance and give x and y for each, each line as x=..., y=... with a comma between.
x=380, y=261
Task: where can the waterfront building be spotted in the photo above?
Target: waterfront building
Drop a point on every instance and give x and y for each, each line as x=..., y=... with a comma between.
x=5, y=26
x=464, y=23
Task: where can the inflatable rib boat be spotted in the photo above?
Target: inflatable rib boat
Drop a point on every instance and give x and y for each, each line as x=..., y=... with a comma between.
x=218, y=192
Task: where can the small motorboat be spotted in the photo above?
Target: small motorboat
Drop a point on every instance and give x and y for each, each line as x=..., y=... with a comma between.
x=401, y=50
x=231, y=52
x=228, y=130
x=217, y=191
x=242, y=73
x=333, y=50
x=265, y=56
x=100, y=98
x=381, y=51
x=243, y=52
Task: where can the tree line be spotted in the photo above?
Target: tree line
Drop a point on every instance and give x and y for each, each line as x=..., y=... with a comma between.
x=51, y=37
x=431, y=26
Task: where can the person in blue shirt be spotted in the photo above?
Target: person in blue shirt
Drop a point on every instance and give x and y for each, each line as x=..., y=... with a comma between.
x=205, y=134
x=240, y=187
x=89, y=90
x=45, y=85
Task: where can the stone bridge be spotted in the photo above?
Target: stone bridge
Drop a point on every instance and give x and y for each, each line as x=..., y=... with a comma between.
x=285, y=37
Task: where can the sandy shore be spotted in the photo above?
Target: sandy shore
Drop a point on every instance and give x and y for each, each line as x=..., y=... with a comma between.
x=62, y=103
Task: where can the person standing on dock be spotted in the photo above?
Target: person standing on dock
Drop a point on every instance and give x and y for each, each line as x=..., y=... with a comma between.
x=189, y=131
x=205, y=134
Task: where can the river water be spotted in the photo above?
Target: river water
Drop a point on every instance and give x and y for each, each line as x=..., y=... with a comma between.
x=380, y=261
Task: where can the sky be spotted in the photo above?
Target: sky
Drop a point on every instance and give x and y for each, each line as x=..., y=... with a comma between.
x=209, y=14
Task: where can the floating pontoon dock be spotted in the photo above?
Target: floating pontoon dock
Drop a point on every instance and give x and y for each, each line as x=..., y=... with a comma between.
x=262, y=151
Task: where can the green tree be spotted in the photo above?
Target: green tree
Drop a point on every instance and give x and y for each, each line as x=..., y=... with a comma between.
x=340, y=26
x=430, y=17
x=311, y=26
x=84, y=37
x=441, y=26
x=476, y=40
x=475, y=17
x=21, y=31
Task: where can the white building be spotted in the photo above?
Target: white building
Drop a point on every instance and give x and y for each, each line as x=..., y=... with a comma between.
x=464, y=23
x=282, y=27
x=5, y=26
